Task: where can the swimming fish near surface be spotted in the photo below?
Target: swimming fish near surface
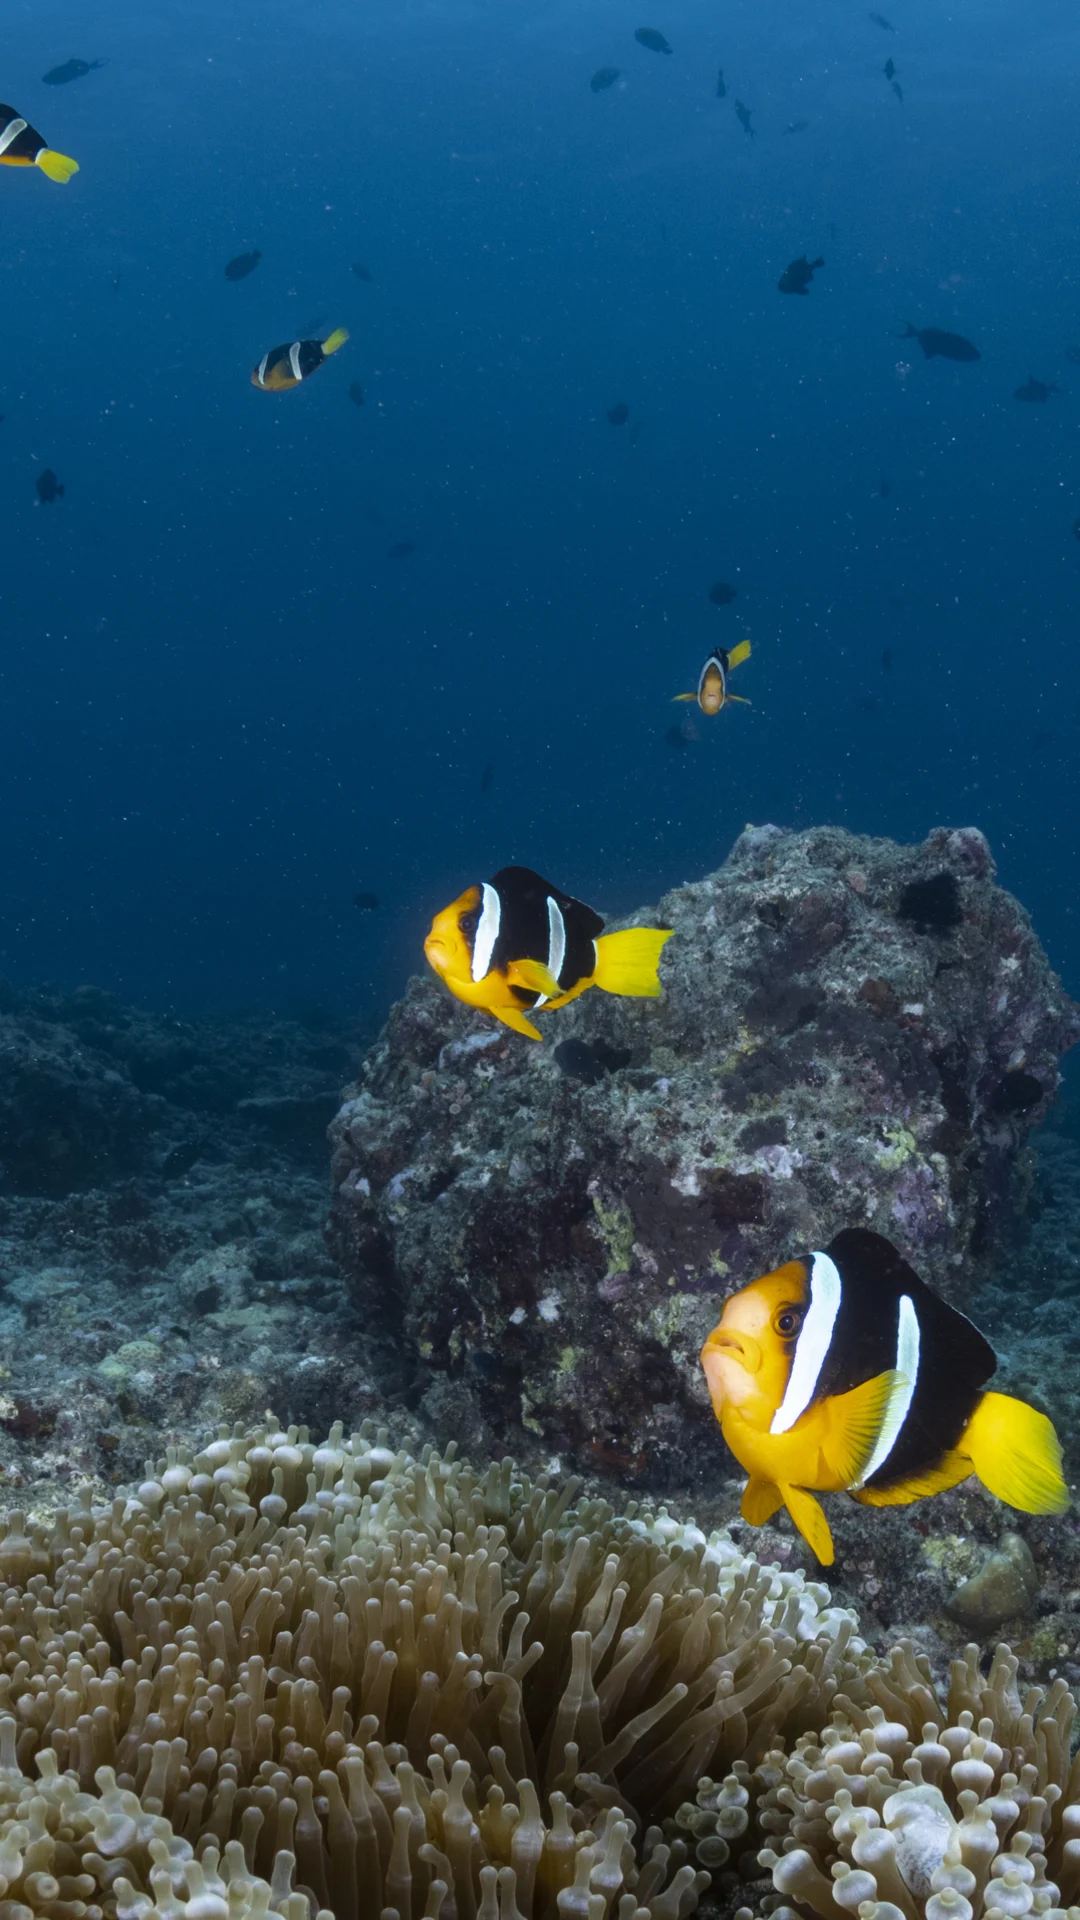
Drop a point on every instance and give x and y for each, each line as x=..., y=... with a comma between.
x=722, y=594
x=356, y=393
x=1038, y=390
x=243, y=264
x=619, y=414
x=742, y=115
x=937, y=343
x=286, y=366
x=49, y=489
x=796, y=278
x=652, y=38
x=721, y=85
x=22, y=146
x=712, y=687
x=516, y=943
x=70, y=70
x=843, y=1372
x=603, y=78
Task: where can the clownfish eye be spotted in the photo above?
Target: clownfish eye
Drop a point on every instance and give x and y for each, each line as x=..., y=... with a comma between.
x=788, y=1321
x=469, y=922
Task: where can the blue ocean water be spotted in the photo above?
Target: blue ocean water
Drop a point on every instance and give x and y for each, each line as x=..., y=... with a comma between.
x=225, y=708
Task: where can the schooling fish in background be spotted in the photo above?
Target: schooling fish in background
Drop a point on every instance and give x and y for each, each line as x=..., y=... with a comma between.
x=936, y=343
x=796, y=278
x=721, y=594
x=889, y=69
x=356, y=393
x=49, y=489
x=243, y=264
x=721, y=85
x=70, y=70
x=742, y=115
x=651, y=38
x=362, y=273
x=619, y=414
x=367, y=902
x=603, y=78
x=286, y=366
x=843, y=1372
x=879, y=20
x=516, y=943
x=22, y=146
x=712, y=687
x=1036, y=390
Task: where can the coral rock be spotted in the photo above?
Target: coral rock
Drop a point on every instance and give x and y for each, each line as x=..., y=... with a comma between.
x=1004, y=1586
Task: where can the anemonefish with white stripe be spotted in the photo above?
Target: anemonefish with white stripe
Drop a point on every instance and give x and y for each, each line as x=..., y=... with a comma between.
x=713, y=691
x=515, y=944
x=22, y=146
x=843, y=1372
x=286, y=366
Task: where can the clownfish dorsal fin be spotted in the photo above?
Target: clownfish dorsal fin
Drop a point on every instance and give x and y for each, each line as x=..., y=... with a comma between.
x=1016, y=1454
x=853, y=1424
x=534, y=977
x=760, y=1500
x=809, y=1516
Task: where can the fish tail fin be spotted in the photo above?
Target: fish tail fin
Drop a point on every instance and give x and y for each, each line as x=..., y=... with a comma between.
x=760, y=1500
x=628, y=962
x=335, y=340
x=809, y=1517
x=684, y=696
x=57, y=165
x=1016, y=1454
x=739, y=654
x=510, y=1018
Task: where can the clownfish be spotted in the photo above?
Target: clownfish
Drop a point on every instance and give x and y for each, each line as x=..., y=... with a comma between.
x=843, y=1372
x=516, y=943
x=712, y=687
x=22, y=146
x=286, y=366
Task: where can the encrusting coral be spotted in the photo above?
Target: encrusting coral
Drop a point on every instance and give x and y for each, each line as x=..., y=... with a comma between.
x=415, y=1690
x=914, y=1808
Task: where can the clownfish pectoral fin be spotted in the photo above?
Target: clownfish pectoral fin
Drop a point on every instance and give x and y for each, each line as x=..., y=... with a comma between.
x=628, y=962
x=516, y=1020
x=57, y=166
x=738, y=699
x=950, y=1470
x=809, y=1517
x=534, y=976
x=760, y=1500
x=683, y=696
x=738, y=655
x=854, y=1422
x=1016, y=1454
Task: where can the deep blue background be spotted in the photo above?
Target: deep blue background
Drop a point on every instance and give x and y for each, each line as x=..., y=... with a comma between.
x=223, y=708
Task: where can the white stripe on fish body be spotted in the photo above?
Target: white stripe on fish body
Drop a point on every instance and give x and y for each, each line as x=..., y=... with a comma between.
x=556, y=953
x=260, y=374
x=11, y=133
x=813, y=1343
x=908, y=1339
x=294, y=360
x=487, y=932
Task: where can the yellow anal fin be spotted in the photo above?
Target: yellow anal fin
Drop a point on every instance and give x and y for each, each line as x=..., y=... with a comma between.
x=949, y=1471
x=516, y=1020
x=760, y=1500
x=809, y=1517
x=739, y=654
x=683, y=696
x=852, y=1425
x=56, y=165
x=335, y=340
x=628, y=962
x=534, y=977
x=1016, y=1454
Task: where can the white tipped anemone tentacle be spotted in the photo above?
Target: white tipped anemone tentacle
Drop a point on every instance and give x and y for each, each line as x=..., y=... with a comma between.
x=487, y=932
x=813, y=1343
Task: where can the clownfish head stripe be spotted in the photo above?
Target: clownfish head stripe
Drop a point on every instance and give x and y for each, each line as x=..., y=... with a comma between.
x=908, y=1340
x=487, y=932
x=814, y=1341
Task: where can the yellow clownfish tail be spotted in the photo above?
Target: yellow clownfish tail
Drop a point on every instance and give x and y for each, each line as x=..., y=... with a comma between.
x=57, y=166
x=1016, y=1454
x=628, y=962
x=335, y=340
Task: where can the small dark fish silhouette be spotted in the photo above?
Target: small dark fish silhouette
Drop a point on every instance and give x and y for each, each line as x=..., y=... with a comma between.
x=742, y=115
x=71, y=70
x=649, y=37
x=721, y=85
x=487, y=777
x=899, y=91
x=48, y=487
x=936, y=343
x=367, y=902
x=603, y=78
x=400, y=550
x=796, y=126
x=356, y=394
x=721, y=594
x=1037, y=390
x=1072, y=355
x=619, y=414
x=677, y=740
x=879, y=20
x=886, y=659
x=796, y=278
x=244, y=264
x=361, y=272
x=889, y=69
x=578, y=1061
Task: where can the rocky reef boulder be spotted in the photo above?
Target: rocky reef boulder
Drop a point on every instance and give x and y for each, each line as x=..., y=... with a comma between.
x=851, y=1032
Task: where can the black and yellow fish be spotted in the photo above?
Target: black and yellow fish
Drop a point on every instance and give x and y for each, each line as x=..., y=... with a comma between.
x=22, y=146
x=843, y=1372
x=713, y=691
x=515, y=944
x=286, y=366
